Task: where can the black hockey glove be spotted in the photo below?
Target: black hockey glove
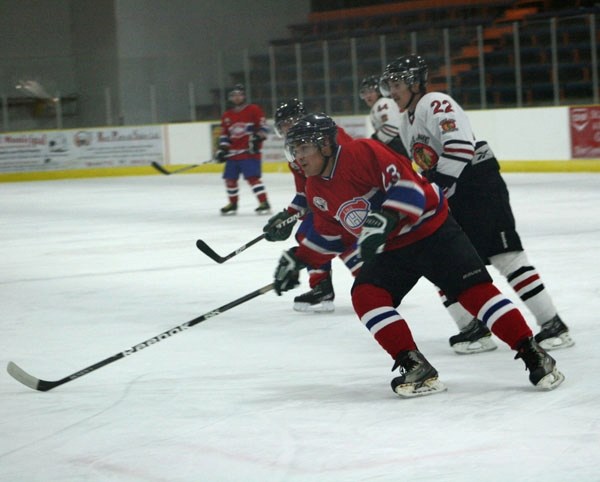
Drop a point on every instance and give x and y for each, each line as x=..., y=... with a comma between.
x=279, y=227
x=287, y=273
x=254, y=144
x=221, y=156
x=377, y=227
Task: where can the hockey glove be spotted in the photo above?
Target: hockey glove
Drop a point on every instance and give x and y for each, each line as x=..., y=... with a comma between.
x=287, y=273
x=377, y=227
x=221, y=156
x=254, y=144
x=279, y=227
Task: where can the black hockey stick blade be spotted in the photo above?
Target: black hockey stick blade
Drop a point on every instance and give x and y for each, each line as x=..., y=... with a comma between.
x=34, y=383
x=208, y=251
x=162, y=169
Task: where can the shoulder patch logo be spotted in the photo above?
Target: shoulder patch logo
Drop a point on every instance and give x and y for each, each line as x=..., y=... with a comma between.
x=320, y=203
x=448, y=125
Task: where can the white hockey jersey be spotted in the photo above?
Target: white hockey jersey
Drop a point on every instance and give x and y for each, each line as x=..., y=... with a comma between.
x=385, y=119
x=438, y=136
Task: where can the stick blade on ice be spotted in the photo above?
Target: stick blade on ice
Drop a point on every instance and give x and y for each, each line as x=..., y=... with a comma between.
x=22, y=376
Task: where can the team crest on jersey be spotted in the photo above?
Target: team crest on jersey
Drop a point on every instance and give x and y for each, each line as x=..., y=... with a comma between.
x=424, y=156
x=320, y=203
x=448, y=125
x=237, y=130
x=352, y=214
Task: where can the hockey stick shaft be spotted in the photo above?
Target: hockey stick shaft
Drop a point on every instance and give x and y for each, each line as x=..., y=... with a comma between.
x=208, y=251
x=44, y=385
x=162, y=169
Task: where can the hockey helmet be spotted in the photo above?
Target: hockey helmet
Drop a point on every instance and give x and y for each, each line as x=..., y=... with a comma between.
x=237, y=89
x=411, y=69
x=287, y=114
x=368, y=84
x=311, y=129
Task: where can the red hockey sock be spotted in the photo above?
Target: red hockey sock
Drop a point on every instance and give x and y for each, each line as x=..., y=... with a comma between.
x=374, y=307
x=232, y=190
x=315, y=277
x=258, y=188
x=485, y=302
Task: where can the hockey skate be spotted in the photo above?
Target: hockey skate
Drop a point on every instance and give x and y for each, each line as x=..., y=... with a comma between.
x=318, y=300
x=263, y=208
x=417, y=377
x=476, y=338
x=542, y=367
x=228, y=210
x=554, y=335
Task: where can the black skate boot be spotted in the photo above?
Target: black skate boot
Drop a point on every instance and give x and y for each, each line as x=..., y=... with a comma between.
x=319, y=299
x=476, y=338
x=228, y=210
x=263, y=208
x=417, y=376
x=542, y=367
x=554, y=335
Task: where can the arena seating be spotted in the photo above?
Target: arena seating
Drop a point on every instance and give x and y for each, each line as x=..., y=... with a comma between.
x=324, y=59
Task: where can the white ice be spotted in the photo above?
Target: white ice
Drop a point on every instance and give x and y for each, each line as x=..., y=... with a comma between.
x=260, y=393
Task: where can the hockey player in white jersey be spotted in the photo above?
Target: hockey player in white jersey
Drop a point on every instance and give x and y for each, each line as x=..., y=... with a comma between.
x=438, y=135
x=384, y=114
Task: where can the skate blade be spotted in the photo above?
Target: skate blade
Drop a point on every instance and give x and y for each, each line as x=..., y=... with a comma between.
x=429, y=387
x=263, y=212
x=551, y=381
x=229, y=213
x=471, y=347
x=557, y=342
x=323, y=307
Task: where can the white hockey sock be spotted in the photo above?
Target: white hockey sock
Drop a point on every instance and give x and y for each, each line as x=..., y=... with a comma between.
x=526, y=281
x=458, y=313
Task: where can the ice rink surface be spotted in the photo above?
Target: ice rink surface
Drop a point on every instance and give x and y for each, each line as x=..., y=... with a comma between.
x=261, y=393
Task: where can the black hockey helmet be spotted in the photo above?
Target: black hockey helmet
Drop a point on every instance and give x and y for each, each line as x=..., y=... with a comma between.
x=369, y=83
x=237, y=89
x=287, y=114
x=411, y=69
x=311, y=129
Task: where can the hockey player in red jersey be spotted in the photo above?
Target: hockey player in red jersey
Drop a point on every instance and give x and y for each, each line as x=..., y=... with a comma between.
x=365, y=191
x=321, y=295
x=438, y=134
x=243, y=130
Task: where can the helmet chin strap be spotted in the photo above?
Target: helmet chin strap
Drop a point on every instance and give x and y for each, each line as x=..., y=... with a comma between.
x=412, y=97
x=326, y=160
x=325, y=164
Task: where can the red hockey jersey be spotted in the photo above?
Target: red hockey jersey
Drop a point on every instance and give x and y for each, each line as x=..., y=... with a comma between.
x=367, y=175
x=238, y=126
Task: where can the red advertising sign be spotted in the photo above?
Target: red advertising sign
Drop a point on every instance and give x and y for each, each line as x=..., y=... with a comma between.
x=585, y=132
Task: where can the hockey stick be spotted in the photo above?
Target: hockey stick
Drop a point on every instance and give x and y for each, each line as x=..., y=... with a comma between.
x=44, y=385
x=208, y=251
x=160, y=168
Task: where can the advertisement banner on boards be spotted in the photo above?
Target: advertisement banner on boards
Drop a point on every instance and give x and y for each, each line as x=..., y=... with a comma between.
x=585, y=132
x=81, y=149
